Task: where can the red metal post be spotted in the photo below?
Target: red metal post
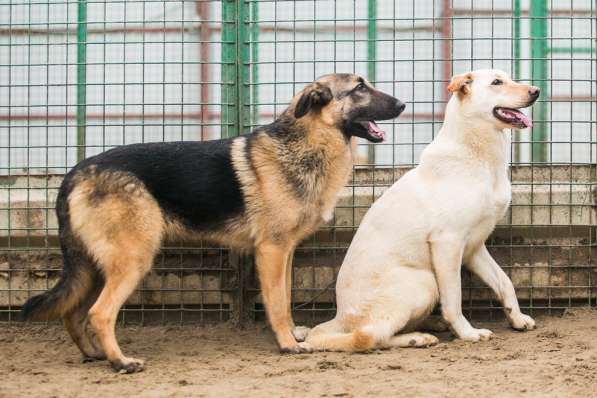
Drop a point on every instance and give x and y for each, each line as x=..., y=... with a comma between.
x=447, y=45
x=204, y=33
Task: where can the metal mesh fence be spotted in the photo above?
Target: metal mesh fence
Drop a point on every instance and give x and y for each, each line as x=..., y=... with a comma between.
x=78, y=78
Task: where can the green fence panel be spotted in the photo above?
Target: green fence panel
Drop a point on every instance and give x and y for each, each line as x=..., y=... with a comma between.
x=78, y=78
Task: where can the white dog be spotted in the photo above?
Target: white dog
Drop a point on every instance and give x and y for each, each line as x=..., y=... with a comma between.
x=407, y=254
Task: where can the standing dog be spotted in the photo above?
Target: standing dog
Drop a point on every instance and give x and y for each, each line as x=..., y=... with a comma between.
x=264, y=191
x=407, y=254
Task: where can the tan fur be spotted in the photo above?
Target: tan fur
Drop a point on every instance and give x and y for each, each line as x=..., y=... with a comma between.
x=267, y=184
x=125, y=222
x=272, y=261
x=289, y=287
x=362, y=341
x=459, y=83
x=354, y=341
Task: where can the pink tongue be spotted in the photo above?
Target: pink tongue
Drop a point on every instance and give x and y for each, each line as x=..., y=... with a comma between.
x=525, y=119
x=373, y=127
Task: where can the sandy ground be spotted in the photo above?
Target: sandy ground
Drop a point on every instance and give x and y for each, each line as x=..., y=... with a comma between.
x=558, y=359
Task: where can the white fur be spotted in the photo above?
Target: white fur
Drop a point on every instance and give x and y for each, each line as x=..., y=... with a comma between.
x=407, y=254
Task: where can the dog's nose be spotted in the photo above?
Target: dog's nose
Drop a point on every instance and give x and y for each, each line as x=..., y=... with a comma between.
x=401, y=106
x=534, y=91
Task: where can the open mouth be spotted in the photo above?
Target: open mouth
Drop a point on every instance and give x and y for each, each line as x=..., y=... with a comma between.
x=369, y=130
x=513, y=117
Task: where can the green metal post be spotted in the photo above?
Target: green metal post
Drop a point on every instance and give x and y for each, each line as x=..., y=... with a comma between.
x=371, y=56
x=539, y=51
x=236, y=108
x=516, y=72
x=254, y=60
x=229, y=70
x=81, y=77
x=244, y=65
x=371, y=39
x=516, y=13
x=236, y=96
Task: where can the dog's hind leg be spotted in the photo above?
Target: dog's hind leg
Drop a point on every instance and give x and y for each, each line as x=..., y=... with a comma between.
x=121, y=227
x=102, y=316
x=123, y=262
x=414, y=339
x=360, y=339
x=332, y=326
x=331, y=336
x=76, y=323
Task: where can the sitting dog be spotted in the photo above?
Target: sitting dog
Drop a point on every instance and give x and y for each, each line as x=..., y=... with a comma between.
x=265, y=191
x=407, y=253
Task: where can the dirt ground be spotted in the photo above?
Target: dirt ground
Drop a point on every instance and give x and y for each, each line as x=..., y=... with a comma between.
x=559, y=359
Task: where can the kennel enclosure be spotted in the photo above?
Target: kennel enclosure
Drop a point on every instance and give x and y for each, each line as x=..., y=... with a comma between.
x=80, y=77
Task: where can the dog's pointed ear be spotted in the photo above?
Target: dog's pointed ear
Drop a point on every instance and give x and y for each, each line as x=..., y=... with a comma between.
x=313, y=98
x=461, y=83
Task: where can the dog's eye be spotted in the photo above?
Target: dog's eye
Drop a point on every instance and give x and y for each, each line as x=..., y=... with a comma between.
x=361, y=87
x=496, y=82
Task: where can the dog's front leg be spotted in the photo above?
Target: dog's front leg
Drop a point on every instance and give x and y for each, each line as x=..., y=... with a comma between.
x=446, y=255
x=485, y=267
x=299, y=332
x=271, y=260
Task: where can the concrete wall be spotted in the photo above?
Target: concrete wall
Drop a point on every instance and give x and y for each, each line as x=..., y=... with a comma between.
x=546, y=242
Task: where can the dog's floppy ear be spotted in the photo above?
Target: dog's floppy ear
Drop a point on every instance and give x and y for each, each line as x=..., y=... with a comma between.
x=461, y=83
x=314, y=97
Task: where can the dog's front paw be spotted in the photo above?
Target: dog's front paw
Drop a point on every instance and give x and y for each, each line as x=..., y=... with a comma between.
x=300, y=333
x=476, y=335
x=522, y=322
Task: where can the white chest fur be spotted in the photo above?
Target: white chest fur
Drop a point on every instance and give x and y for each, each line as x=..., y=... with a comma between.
x=493, y=204
x=501, y=196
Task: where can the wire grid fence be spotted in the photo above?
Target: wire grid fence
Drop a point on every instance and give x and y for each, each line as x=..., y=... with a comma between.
x=78, y=78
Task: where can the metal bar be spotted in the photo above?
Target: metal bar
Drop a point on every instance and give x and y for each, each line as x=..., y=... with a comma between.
x=516, y=39
x=81, y=76
x=254, y=62
x=229, y=70
x=204, y=35
x=538, y=17
x=447, y=45
x=212, y=29
x=371, y=58
x=516, y=72
x=567, y=50
x=243, y=62
x=371, y=39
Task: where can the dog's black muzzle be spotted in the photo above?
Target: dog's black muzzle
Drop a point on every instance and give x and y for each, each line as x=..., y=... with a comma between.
x=362, y=121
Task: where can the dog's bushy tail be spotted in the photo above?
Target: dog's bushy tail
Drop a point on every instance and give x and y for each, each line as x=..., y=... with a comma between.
x=79, y=274
x=70, y=290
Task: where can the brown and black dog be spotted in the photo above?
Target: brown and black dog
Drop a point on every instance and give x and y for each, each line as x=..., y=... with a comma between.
x=265, y=191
